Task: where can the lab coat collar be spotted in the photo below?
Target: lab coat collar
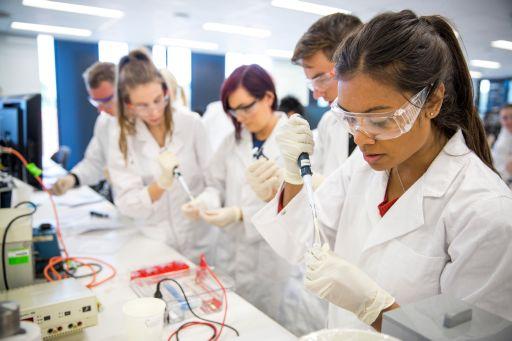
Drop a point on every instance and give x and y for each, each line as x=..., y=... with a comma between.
x=445, y=167
x=407, y=215
x=174, y=143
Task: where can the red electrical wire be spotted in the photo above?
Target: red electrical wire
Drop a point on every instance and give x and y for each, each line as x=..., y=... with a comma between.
x=203, y=262
x=66, y=259
x=194, y=323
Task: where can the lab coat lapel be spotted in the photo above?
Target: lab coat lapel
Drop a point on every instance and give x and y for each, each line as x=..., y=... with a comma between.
x=270, y=147
x=407, y=215
x=144, y=137
x=244, y=149
x=404, y=216
x=374, y=195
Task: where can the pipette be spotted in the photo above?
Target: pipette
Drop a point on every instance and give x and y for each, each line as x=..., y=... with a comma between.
x=182, y=182
x=307, y=176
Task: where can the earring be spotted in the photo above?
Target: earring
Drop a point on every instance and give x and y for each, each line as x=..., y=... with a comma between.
x=431, y=114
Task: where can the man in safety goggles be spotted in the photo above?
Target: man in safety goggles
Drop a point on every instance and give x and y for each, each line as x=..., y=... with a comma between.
x=99, y=80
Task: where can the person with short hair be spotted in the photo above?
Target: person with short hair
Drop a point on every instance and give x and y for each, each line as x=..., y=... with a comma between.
x=99, y=81
x=291, y=105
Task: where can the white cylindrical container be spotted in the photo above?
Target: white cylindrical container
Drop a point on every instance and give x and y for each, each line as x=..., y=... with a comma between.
x=144, y=319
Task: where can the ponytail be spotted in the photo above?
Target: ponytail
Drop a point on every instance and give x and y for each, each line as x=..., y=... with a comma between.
x=411, y=53
x=462, y=103
x=136, y=69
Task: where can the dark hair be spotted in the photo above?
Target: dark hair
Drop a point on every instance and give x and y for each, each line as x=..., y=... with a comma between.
x=410, y=53
x=255, y=80
x=506, y=106
x=325, y=35
x=136, y=69
x=291, y=104
x=99, y=72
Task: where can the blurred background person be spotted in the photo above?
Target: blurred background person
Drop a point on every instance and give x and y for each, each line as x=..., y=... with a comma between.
x=99, y=80
x=502, y=149
x=291, y=105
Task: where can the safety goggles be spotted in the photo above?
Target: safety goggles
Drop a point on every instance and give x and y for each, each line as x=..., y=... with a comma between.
x=320, y=82
x=146, y=109
x=97, y=102
x=383, y=126
x=243, y=111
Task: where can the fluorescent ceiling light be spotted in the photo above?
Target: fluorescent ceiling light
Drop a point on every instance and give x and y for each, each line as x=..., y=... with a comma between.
x=487, y=64
x=502, y=44
x=50, y=29
x=73, y=8
x=475, y=74
x=308, y=7
x=234, y=29
x=279, y=53
x=191, y=44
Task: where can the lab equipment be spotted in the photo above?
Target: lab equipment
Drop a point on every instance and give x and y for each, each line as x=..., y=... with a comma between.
x=20, y=128
x=183, y=183
x=6, y=188
x=383, y=126
x=59, y=308
x=307, y=175
x=17, y=255
x=257, y=153
x=12, y=329
x=203, y=293
x=144, y=319
x=98, y=214
x=444, y=318
x=46, y=246
x=346, y=335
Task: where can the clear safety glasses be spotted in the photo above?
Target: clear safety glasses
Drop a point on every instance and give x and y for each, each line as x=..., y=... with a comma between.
x=320, y=82
x=243, y=111
x=383, y=126
x=146, y=109
x=97, y=102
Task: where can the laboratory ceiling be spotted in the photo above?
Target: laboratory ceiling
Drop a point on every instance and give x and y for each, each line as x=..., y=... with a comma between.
x=145, y=21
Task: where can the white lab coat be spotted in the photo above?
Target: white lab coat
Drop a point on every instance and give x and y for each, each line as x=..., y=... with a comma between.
x=502, y=153
x=163, y=219
x=217, y=123
x=262, y=277
x=449, y=233
x=91, y=169
x=331, y=145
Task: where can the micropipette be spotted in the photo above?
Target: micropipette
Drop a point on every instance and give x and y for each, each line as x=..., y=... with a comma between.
x=182, y=182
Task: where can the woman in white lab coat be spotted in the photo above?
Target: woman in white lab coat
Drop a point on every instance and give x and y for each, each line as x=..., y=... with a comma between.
x=418, y=210
x=262, y=277
x=502, y=149
x=152, y=141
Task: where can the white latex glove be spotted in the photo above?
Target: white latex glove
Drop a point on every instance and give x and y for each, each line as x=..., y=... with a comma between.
x=63, y=185
x=294, y=138
x=343, y=284
x=223, y=216
x=264, y=177
x=168, y=162
x=192, y=209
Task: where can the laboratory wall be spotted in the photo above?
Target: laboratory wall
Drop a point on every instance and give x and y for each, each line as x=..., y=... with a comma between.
x=19, y=71
x=207, y=77
x=75, y=115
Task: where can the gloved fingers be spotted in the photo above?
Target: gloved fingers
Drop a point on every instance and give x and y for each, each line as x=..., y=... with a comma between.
x=253, y=167
x=268, y=172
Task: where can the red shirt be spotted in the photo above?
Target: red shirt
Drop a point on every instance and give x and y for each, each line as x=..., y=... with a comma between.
x=386, y=205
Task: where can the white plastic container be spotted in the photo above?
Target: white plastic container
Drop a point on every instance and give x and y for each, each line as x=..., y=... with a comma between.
x=346, y=335
x=144, y=319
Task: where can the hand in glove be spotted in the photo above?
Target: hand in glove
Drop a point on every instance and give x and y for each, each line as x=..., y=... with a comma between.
x=264, y=177
x=223, y=216
x=192, y=209
x=63, y=185
x=345, y=285
x=168, y=162
x=294, y=138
